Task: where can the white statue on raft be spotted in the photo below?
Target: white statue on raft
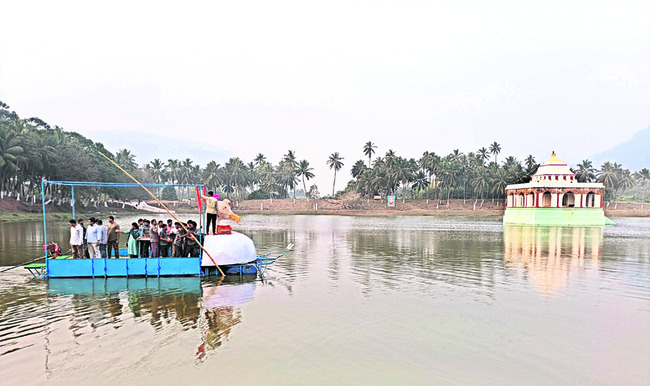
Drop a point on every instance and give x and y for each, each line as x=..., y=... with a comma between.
x=229, y=248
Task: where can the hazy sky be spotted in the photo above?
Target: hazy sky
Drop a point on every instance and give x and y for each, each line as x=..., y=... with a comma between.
x=215, y=79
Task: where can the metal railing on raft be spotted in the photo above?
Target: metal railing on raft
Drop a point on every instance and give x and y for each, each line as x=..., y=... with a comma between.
x=72, y=185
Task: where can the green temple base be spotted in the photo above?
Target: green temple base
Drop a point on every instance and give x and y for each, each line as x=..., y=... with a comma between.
x=557, y=216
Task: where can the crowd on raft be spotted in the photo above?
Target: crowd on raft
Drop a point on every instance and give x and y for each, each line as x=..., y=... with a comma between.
x=146, y=238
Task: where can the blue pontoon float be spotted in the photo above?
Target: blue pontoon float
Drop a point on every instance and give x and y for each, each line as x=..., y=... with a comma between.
x=66, y=267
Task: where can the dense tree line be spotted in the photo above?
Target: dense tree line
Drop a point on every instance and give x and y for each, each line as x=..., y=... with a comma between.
x=31, y=151
x=471, y=175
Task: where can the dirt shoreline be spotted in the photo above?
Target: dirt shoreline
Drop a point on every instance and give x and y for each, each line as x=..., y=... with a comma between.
x=11, y=210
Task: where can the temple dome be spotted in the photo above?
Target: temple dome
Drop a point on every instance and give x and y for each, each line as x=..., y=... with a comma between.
x=554, y=166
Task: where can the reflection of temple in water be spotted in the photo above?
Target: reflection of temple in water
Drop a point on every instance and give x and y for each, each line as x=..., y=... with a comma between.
x=550, y=254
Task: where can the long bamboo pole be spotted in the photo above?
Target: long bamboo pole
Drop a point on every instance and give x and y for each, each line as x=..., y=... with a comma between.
x=21, y=264
x=164, y=207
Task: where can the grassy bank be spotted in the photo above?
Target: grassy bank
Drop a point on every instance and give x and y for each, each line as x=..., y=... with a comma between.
x=13, y=217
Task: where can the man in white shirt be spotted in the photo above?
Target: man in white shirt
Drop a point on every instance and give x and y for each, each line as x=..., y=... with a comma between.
x=93, y=235
x=103, y=238
x=76, y=240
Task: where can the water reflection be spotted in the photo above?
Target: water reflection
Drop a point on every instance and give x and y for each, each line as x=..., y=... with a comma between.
x=221, y=312
x=549, y=255
x=83, y=309
x=393, y=258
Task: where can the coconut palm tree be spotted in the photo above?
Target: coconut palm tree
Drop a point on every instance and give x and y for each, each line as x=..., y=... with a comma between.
x=420, y=181
x=335, y=162
x=126, y=160
x=235, y=173
x=253, y=176
x=481, y=181
x=642, y=176
x=267, y=178
x=586, y=172
x=403, y=172
x=358, y=169
x=10, y=151
x=530, y=163
x=259, y=159
x=174, y=167
x=495, y=149
x=186, y=172
x=212, y=175
x=500, y=182
x=608, y=176
x=305, y=172
x=157, y=168
x=482, y=153
x=290, y=158
x=448, y=175
x=626, y=181
x=369, y=150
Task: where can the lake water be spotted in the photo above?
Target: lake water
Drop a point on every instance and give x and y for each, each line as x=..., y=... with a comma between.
x=361, y=300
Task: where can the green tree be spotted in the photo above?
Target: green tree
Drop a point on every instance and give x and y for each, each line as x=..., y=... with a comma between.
x=481, y=181
x=608, y=176
x=585, y=172
x=335, y=162
x=358, y=169
x=642, y=176
x=369, y=150
x=126, y=160
x=212, y=176
x=259, y=159
x=10, y=151
x=482, y=153
x=305, y=172
x=235, y=176
x=495, y=149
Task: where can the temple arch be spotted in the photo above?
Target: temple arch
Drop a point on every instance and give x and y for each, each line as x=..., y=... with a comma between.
x=546, y=200
x=568, y=200
x=590, y=200
x=530, y=202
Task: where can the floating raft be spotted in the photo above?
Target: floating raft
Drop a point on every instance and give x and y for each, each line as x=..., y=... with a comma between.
x=234, y=253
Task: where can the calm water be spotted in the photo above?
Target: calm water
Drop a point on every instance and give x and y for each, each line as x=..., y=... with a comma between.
x=413, y=300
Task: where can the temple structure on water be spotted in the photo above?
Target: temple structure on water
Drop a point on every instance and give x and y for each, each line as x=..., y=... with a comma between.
x=555, y=197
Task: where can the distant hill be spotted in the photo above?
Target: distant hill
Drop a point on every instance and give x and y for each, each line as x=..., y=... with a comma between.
x=633, y=154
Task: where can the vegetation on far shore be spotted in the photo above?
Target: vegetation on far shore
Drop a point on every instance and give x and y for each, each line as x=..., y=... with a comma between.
x=32, y=151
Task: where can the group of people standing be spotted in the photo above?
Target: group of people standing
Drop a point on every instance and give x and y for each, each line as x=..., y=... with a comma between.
x=159, y=239
x=95, y=241
x=146, y=238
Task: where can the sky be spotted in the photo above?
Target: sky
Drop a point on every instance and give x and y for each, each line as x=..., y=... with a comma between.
x=212, y=80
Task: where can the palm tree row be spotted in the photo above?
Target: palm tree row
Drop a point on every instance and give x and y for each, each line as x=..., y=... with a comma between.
x=32, y=151
x=236, y=178
x=616, y=179
x=460, y=175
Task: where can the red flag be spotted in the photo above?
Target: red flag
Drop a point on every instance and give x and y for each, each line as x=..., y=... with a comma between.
x=198, y=199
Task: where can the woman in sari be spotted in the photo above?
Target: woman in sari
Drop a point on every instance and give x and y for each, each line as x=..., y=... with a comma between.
x=131, y=243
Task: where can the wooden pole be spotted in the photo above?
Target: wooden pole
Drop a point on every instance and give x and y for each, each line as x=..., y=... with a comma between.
x=164, y=207
x=21, y=264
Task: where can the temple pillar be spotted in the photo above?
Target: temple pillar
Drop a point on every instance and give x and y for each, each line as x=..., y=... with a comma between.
x=555, y=200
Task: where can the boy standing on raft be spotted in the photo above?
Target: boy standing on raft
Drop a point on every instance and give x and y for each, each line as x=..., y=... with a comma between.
x=211, y=210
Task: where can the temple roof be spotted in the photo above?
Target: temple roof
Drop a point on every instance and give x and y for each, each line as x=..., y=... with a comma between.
x=555, y=173
x=554, y=166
